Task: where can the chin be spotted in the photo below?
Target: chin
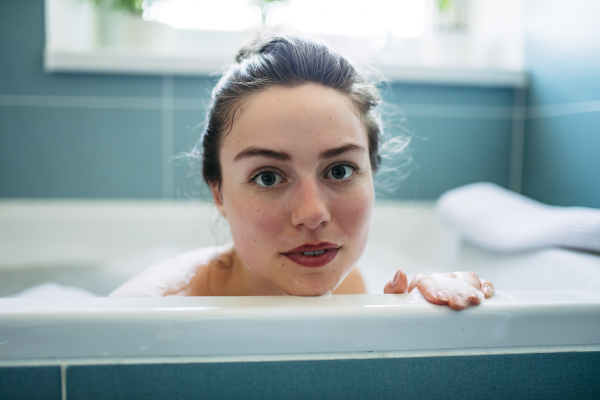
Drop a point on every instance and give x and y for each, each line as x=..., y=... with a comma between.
x=311, y=291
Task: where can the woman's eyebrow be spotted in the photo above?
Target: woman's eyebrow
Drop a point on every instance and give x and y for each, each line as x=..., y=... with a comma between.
x=331, y=153
x=258, y=152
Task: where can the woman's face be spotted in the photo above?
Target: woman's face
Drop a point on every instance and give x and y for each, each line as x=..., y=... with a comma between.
x=297, y=187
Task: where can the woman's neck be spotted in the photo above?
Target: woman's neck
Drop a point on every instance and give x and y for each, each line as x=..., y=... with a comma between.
x=244, y=282
x=227, y=275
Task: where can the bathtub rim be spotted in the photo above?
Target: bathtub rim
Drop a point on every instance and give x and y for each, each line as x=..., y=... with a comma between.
x=346, y=326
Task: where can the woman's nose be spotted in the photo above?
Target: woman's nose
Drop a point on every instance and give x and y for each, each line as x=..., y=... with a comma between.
x=309, y=206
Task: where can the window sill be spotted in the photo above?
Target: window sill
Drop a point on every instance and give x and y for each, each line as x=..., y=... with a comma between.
x=113, y=62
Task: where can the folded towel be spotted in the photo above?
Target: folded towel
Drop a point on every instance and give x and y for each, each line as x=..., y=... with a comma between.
x=501, y=220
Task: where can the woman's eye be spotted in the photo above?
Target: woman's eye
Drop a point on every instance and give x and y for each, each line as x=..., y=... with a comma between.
x=267, y=178
x=340, y=172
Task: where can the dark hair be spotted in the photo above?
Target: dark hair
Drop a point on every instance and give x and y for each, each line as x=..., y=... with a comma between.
x=286, y=60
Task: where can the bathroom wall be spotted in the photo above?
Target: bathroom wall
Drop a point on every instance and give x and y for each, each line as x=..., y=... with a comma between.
x=562, y=136
x=115, y=136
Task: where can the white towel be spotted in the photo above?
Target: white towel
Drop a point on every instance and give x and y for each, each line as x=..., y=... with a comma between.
x=501, y=220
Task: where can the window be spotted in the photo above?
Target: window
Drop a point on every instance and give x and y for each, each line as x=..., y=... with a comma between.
x=424, y=40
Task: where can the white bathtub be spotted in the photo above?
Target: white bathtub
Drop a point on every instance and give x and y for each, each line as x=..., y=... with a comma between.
x=545, y=301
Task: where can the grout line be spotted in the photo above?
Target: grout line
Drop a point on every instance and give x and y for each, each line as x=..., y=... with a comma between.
x=559, y=109
x=63, y=381
x=158, y=103
x=101, y=102
x=517, y=145
x=190, y=104
x=193, y=104
x=455, y=111
x=307, y=357
x=167, y=137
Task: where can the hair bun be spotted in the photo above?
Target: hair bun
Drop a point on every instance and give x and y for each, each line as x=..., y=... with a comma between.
x=265, y=41
x=244, y=53
x=257, y=46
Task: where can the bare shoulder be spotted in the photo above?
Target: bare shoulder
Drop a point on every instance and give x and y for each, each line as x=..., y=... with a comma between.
x=353, y=284
x=170, y=277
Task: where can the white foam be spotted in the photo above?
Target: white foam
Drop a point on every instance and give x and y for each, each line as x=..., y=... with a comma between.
x=456, y=287
x=51, y=290
x=170, y=275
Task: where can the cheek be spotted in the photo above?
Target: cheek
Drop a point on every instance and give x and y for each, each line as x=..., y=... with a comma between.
x=254, y=222
x=354, y=213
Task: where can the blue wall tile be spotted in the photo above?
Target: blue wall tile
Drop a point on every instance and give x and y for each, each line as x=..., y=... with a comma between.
x=562, y=52
x=447, y=94
x=30, y=383
x=448, y=153
x=563, y=160
x=79, y=152
x=194, y=87
x=509, y=376
x=188, y=181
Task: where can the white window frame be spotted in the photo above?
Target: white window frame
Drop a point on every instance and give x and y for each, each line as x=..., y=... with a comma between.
x=73, y=28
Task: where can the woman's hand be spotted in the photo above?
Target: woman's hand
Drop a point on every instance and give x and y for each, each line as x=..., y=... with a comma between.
x=458, y=290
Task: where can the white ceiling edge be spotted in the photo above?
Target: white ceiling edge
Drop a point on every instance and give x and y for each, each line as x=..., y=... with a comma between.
x=105, y=62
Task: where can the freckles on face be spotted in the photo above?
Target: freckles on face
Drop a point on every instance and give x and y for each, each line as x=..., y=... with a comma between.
x=257, y=223
x=354, y=213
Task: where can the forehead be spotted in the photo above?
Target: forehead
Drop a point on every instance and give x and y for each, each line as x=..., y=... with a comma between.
x=309, y=113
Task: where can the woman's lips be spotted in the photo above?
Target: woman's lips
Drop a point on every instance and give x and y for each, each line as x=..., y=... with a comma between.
x=324, y=253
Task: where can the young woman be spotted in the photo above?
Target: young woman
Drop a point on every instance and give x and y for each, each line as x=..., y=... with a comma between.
x=290, y=149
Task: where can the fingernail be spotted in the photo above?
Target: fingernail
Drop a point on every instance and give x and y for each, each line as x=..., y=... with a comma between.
x=396, y=278
x=459, y=301
x=487, y=290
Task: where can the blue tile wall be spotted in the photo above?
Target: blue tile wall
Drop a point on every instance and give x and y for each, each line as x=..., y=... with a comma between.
x=509, y=376
x=562, y=166
x=448, y=153
x=74, y=152
x=17, y=383
x=108, y=136
x=562, y=53
x=188, y=181
x=447, y=94
x=194, y=88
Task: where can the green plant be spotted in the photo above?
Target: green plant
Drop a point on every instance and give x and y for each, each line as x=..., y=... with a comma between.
x=132, y=6
x=264, y=7
x=445, y=5
x=136, y=6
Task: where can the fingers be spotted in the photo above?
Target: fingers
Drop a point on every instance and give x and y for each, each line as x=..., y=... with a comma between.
x=398, y=284
x=429, y=290
x=457, y=303
x=415, y=281
x=472, y=279
x=458, y=290
x=442, y=288
x=487, y=288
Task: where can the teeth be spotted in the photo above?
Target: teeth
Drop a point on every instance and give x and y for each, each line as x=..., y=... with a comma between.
x=313, y=253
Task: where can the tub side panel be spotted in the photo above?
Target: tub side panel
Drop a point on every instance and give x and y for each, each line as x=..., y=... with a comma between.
x=30, y=383
x=508, y=376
